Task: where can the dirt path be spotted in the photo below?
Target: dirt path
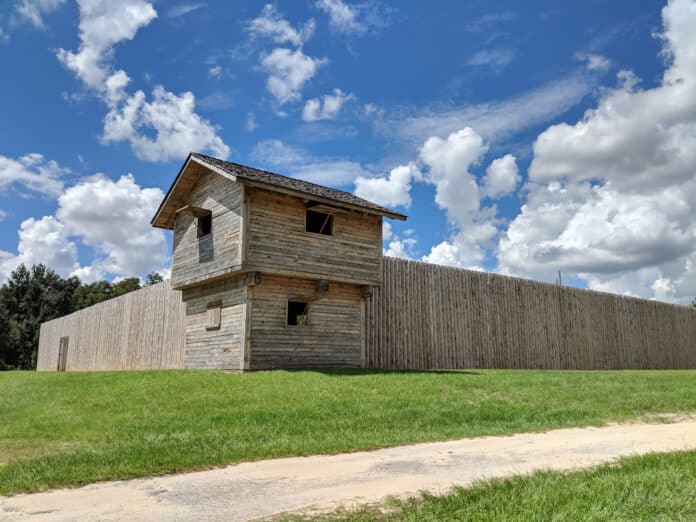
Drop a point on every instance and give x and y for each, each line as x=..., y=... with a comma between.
x=258, y=489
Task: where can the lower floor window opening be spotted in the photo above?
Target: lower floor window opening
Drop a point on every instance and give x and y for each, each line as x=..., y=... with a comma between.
x=298, y=312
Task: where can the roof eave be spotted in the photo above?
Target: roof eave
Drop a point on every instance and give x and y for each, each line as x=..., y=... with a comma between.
x=299, y=193
x=156, y=222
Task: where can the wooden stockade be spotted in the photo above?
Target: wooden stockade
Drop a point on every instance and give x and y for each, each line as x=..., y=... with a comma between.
x=423, y=316
x=428, y=316
x=145, y=329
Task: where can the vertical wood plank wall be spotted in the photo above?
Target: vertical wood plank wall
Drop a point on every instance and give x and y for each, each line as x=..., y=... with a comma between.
x=424, y=316
x=428, y=316
x=142, y=330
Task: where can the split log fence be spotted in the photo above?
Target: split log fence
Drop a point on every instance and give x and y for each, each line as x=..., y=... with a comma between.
x=429, y=316
x=422, y=317
x=141, y=330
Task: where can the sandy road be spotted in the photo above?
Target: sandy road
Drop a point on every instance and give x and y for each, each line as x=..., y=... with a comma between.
x=259, y=489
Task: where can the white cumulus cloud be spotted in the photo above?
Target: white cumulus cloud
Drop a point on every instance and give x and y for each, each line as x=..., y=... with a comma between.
x=502, y=177
x=113, y=217
x=450, y=254
x=33, y=10
x=391, y=191
x=103, y=24
x=342, y=16
x=456, y=191
x=327, y=107
x=355, y=19
x=401, y=248
x=611, y=197
x=271, y=24
x=44, y=241
x=110, y=217
x=288, y=71
x=33, y=173
x=178, y=129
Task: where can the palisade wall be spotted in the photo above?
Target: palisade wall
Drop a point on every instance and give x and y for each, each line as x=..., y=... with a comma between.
x=423, y=316
x=141, y=330
x=428, y=316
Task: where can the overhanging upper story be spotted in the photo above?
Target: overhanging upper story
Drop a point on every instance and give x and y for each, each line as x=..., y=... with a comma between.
x=229, y=218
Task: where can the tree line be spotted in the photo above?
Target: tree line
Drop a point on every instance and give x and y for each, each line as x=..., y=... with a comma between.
x=35, y=295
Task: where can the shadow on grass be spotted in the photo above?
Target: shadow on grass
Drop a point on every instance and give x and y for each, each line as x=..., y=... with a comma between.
x=357, y=372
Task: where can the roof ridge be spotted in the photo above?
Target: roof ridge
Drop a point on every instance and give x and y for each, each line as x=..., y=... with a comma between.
x=277, y=174
x=255, y=174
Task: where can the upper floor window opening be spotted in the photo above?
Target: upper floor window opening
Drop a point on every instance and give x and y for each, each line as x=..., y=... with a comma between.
x=319, y=223
x=205, y=224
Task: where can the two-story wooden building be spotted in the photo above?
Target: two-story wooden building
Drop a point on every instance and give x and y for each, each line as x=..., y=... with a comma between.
x=274, y=271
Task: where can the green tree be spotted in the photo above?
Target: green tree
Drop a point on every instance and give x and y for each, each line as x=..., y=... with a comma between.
x=29, y=298
x=92, y=293
x=33, y=296
x=693, y=303
x=124, y=286
x=153, y=278
x=6, y=335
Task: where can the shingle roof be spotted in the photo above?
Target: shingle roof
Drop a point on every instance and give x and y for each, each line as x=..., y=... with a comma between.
x=244, y=173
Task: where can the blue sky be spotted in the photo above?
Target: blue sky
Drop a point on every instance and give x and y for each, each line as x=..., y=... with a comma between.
x=519, y=138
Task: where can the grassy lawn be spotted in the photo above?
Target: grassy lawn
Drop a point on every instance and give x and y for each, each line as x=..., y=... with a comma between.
x=651, y=487
x=69, y=429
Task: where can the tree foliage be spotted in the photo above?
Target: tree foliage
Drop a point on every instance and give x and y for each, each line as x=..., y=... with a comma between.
x=153, y=278
x=130, y=284
x=33, y=296
x=29, y=298
x=5, y=342
x=92, y=293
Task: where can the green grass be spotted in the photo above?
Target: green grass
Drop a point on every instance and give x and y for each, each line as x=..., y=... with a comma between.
x=651, y=487
x=68, y=429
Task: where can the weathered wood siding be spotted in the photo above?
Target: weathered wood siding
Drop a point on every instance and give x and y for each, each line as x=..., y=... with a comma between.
x=428, y=316
x=142, y=330
x=278, y=243
x=219, y=348
x=196, y=259
x=332, y=337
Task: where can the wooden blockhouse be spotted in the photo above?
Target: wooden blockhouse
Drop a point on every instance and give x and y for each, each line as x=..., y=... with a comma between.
x=274, y=271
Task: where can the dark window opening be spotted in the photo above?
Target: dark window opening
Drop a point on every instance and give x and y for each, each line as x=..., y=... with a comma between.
x=298, y=312
x=205, y=224
x=319, y=223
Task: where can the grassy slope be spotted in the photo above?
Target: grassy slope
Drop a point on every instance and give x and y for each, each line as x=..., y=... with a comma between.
x=71, y=429
x=651, y=487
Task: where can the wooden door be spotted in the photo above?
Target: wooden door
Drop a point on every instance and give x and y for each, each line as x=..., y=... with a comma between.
x=63, y=353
